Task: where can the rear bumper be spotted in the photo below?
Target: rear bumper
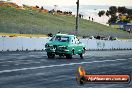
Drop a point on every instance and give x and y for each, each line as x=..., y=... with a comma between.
x=58, y=52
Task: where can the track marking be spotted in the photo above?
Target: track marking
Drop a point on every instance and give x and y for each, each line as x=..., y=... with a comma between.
x=27, y=63
x=130, y=58
x=31, y=63
x=4, y=65
x=16, y=64
x=120, y=59
x=60, y=65
x=20, y=61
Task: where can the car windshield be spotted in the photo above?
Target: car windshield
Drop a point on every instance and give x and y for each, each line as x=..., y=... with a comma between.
x=60, y=38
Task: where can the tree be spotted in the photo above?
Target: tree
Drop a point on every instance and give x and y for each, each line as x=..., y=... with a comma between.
x=112, y=10
x=129, y=12
x=122, y=10
x=101, y=13
x=107, y=13
x=113, y=19
x=124, y=15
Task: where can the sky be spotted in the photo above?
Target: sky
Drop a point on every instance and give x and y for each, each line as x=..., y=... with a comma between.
x=73, y=2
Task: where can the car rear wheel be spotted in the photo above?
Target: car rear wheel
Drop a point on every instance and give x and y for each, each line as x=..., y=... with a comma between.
x=61, y=55
x=81, y=56
x=50, y=55
x=83, y=51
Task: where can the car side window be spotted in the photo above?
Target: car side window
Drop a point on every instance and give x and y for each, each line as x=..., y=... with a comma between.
x=72, y=40
x=52, y=38
x=76, y=40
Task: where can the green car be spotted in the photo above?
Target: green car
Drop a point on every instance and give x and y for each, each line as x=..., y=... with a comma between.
x=64, y=45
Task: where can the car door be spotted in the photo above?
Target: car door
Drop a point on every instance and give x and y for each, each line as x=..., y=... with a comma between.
x=78, y=46
x=73, y=45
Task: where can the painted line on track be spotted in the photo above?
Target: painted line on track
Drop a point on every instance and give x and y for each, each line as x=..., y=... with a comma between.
x=4, y=65
x=130, y=58
x=60, y=65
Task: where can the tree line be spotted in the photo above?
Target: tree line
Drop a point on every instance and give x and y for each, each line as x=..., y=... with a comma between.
x=117, y=14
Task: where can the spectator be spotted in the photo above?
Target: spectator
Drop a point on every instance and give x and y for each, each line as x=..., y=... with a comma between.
x=92, y=19
x=129, y=30
x=92, y=37
x=59, y=32
x=89, y=17
x=80, y=16
x=98, y=37
x=50, y=35
x=110, y=38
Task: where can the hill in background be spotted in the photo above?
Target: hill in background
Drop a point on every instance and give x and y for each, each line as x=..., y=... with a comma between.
x=14, y=20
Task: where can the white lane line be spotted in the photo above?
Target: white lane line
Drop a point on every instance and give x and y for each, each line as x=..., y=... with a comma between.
x=16, y=64
x=120, y=59
x=30, y=63
x=20, y=61
x=9, y=61
x=60, y=65
x=129, y=58
x=27, y=63
x=4, y=65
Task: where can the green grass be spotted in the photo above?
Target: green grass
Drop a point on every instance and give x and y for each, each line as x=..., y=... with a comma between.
x=13, y=21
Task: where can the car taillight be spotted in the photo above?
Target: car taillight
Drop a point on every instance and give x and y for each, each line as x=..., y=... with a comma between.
x=49, y=46
x=46, y=45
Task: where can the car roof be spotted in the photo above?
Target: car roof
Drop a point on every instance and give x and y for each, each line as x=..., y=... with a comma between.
x=64, y=35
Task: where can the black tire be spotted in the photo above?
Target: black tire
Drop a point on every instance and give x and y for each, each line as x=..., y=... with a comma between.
x=50, y=55
x=81, y=56
x=73, y=52
x=69, y=56
x=84, y=50
x=60, y=56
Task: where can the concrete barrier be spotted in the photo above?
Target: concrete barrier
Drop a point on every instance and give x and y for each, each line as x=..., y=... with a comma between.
x=11, y=43
x=35, y=43
x=1, y=43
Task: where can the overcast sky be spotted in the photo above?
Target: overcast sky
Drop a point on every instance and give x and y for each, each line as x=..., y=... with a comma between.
x=73, y=2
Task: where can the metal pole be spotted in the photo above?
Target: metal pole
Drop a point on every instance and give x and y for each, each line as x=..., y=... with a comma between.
x=77, y=19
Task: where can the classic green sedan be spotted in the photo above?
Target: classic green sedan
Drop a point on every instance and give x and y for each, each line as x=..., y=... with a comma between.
x=64, y=45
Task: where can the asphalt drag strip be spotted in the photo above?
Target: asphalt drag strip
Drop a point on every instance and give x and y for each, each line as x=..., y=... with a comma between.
x=35, y=70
